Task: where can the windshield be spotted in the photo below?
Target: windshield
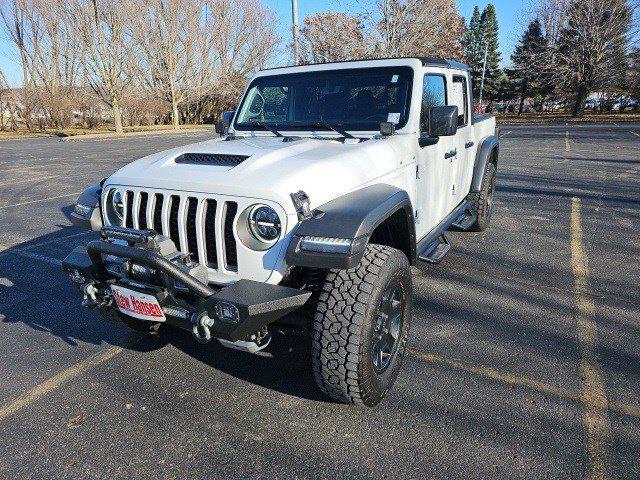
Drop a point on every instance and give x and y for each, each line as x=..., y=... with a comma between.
x=352, y=99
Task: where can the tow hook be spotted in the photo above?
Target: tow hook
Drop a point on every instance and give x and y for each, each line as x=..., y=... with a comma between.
x=201, y=324
x=95, y=298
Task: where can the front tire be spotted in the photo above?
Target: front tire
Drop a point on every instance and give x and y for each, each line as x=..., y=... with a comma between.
x=140, y=326
x=360, y=328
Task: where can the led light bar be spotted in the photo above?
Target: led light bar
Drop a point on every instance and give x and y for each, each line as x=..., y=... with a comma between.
x=326, y=245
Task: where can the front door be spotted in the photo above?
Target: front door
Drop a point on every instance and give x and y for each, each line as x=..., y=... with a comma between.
x=433, y=170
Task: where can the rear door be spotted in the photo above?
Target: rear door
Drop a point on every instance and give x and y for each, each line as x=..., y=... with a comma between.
x=433, y=170
x=464, y=141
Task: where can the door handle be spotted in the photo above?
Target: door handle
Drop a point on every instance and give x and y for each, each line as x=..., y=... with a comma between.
x=469, y=145
x=450, y=154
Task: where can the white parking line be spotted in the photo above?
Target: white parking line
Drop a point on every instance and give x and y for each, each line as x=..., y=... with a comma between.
x=36, y=256
x=635, y=133
x=567, y=145
x=27, y=180
x=39, y=201
x=6, y=249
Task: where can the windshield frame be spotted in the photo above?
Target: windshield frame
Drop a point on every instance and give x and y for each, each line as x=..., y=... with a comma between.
x=407, y=70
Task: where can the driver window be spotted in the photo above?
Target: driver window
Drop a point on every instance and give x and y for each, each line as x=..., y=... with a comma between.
x=267, y=104
x=434, y=93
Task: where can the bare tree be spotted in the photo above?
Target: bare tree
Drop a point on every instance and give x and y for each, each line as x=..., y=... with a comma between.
x=331, y=37
x=167, y=35
x=420, y=28
x=588, y=51
x=104, y=29
x=243, y=40
x=552, y=15
x=56, y=60
x=17, y=26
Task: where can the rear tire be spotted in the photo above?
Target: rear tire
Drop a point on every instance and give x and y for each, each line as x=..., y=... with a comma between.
x=360, y=328
x=482, y=201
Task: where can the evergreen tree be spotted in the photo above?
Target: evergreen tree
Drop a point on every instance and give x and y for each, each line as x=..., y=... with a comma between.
x=474, y=49
x=494, y=76
x=634, y=76
x=529, y=73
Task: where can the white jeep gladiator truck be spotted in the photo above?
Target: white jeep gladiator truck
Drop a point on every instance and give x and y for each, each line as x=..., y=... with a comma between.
x=327, y=183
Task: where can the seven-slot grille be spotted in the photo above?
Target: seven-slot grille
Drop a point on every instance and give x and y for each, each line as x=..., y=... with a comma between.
x=192, y=223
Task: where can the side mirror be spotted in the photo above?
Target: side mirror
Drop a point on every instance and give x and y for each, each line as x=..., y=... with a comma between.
x=222, y=126
x=443, y=122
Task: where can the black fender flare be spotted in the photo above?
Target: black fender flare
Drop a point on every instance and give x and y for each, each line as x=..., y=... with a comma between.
x=352, y=216
x=483, y=156
x=91, y=219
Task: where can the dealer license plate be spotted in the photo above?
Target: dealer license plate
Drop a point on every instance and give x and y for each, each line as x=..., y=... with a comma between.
x=138, y=305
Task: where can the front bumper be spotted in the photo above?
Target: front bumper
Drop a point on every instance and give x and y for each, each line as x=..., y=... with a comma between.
x=253, y=304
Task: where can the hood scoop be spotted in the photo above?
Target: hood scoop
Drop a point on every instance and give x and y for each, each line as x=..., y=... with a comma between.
x=223, y=159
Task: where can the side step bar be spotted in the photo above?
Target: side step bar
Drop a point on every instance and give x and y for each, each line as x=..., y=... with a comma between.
x=435, y=245
x=437, y=250
x=464, y=221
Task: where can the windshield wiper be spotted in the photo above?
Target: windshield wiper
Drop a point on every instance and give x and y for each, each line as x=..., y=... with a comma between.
x=271, y=128
x=336, y=128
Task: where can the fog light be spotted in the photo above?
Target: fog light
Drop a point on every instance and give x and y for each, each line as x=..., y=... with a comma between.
x=76, y=276
x=82, y=210
x=227, y=312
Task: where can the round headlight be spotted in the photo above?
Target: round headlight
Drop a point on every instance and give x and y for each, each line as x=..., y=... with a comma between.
x=115, y=207
x=264, y=224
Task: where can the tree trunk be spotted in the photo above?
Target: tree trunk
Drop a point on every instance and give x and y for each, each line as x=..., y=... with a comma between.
x=117, y=116
x=523, y=93
x=175, y=116
x=581, y=97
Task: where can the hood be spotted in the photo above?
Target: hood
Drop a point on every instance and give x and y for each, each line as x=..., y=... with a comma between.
x=324, y=169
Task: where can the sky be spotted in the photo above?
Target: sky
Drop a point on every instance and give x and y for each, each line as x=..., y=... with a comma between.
x=510, y=20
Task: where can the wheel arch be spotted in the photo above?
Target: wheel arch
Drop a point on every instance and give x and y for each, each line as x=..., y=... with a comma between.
x=381, y=212
x=487, y=152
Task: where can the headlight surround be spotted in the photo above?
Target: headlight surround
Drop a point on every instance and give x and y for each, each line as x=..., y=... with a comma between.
x=259, y=227
x=115, y=207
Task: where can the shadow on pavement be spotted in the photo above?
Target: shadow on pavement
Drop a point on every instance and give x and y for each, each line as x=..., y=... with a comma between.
x=39, y=295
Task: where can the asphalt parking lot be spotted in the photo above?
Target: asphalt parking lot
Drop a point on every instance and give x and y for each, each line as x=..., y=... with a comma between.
x=524, y=360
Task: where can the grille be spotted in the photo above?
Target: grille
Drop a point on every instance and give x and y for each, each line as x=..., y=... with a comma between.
x=144, y=200
x=174, y=209
x=211, y=159
x=210, y=229
x=128, y=217
x=192, y=242
x=157, y=212
x=191, y=223
x=229, y=239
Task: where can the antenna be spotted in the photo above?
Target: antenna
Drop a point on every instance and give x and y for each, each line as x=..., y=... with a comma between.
x=294, y=12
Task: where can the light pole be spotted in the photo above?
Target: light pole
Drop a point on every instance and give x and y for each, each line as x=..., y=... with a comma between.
x=484, y=69
x=294, y=12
